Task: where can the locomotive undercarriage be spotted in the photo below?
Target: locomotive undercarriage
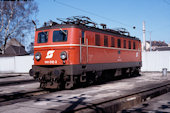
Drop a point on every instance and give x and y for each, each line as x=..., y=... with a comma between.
x=67, y=77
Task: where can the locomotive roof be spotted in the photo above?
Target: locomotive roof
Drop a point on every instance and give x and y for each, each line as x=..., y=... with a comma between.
x=88, y=28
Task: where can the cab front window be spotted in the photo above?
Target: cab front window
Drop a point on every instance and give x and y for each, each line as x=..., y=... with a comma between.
x=42, y=37
x=60, y=36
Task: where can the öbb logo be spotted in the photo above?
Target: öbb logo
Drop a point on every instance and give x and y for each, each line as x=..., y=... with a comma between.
x=50, y=54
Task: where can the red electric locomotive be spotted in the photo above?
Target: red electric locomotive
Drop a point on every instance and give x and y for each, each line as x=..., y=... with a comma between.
x=76, y=52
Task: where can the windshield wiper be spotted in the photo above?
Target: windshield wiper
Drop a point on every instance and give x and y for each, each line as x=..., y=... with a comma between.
x=63, y=31
x=45, y=33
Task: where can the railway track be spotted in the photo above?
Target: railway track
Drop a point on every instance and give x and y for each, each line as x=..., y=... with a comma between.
x=7, y=99
x=17, y=79
x=121, y=103
x=10, y=82
x=116, y=104
x=7, y=76
x=18, y=95
x=108, y=98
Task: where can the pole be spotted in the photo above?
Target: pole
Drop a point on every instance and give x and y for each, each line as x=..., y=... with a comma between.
x=150, y=41
x=144, y=37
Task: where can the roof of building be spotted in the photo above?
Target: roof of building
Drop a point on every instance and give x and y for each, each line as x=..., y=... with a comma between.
x=162, y=49
x=13, y=42
x=14, y=48
x=157, y=43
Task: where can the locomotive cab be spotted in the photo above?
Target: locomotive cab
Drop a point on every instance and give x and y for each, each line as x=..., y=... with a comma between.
x=51, y=47
x=56, y=53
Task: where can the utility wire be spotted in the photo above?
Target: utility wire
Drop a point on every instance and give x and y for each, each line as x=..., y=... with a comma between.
x=102, y=17
x=91, y=13
x=166, y=2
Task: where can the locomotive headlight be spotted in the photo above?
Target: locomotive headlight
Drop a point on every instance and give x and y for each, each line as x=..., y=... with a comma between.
x=63, y=55
x=38, y=56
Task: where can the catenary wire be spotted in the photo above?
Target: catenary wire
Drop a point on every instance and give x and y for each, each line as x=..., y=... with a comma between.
x=91, y=13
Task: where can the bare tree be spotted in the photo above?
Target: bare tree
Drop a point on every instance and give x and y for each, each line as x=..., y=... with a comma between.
x=30, y=48
x=15, y=19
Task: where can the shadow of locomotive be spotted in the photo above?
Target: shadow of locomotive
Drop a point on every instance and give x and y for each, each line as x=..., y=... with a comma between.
x=105, y=80
x=74, y=101
x=144, y=109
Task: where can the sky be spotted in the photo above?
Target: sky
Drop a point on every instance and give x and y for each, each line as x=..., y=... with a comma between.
x=114, y=13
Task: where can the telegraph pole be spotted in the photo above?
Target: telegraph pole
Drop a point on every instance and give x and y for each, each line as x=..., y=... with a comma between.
x=144, y=38
x=150, y=42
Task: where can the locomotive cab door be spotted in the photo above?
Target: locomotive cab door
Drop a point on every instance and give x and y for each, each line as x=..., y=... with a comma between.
x=83, y=48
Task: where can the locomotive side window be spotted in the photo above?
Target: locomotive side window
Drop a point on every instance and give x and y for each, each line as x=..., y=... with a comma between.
x=134, y=45
x=82, y=39
x=119, y=43
x=124, y=43
x=129, y=44
x=105, y=40
x=60, y=36
x=42, y=37
x=112, y=42
x=97, y=40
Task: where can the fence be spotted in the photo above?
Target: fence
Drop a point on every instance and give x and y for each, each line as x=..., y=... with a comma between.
x=16, y=64
x=155, y=60
x=151, y=61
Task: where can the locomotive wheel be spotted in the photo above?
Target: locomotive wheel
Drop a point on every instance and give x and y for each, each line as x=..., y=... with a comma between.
x=42, y=85
x=107, y=75
x=67, y=82
x=136, y=72
x=126, y=72
x=82, y=80
x=98, y=77
x=68, y=85
x=91, y=78
x=129, y=72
